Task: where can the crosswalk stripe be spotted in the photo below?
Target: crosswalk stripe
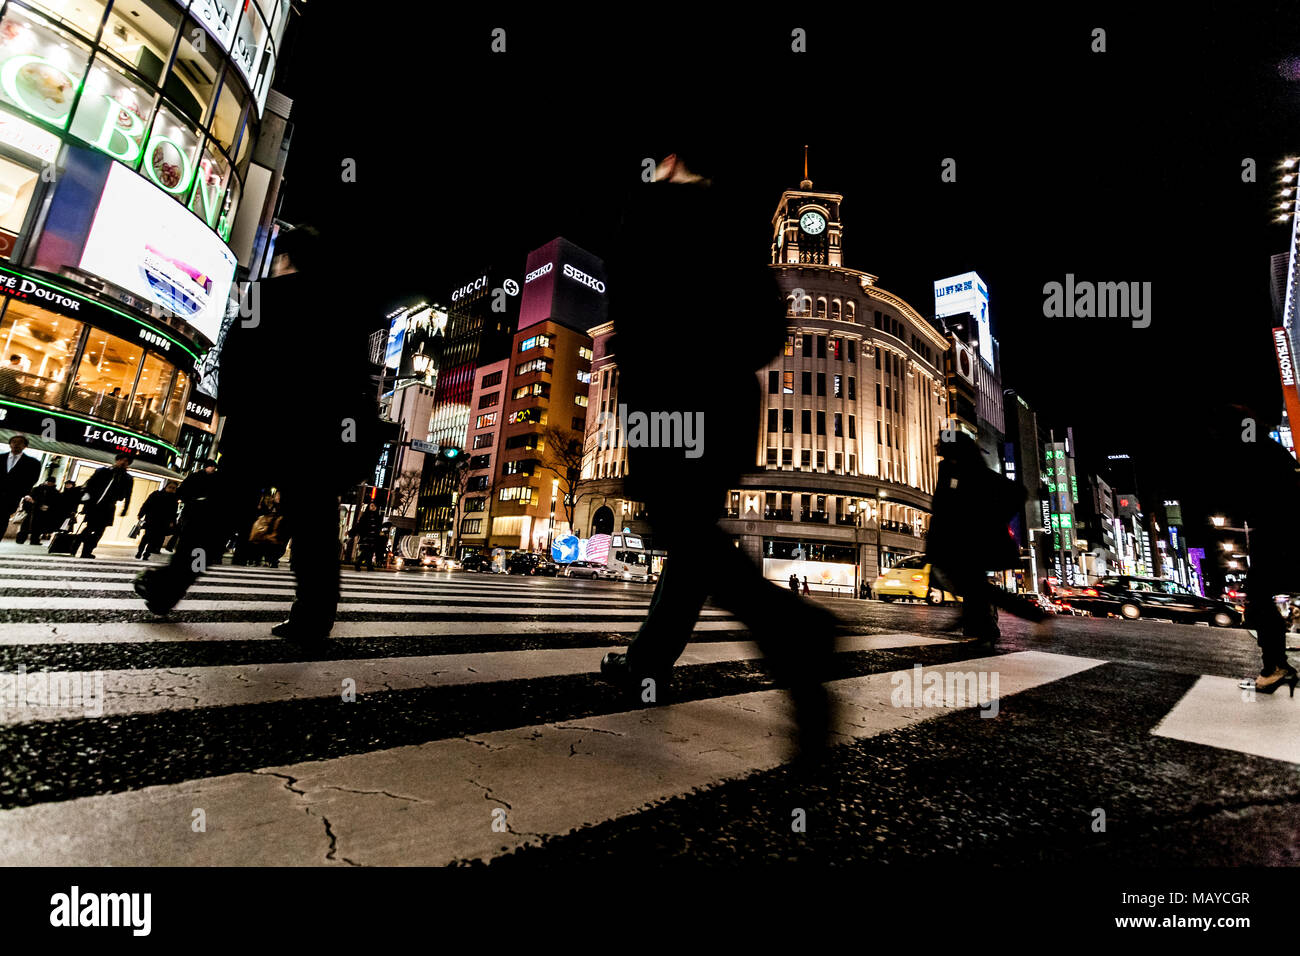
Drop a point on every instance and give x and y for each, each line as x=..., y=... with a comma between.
x=434, y=803
x=62, y=695
x=1216, y=712
x=21, y=634
x=9, y=603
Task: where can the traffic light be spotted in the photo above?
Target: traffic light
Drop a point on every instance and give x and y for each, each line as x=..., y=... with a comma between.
x=449, y=452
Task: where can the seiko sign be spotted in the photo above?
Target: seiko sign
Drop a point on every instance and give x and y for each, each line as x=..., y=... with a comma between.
x=539, y=272
x=479, y=283
x=580, y=276
x=1284, y=356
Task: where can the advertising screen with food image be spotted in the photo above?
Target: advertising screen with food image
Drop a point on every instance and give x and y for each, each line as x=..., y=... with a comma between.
x=150, y=245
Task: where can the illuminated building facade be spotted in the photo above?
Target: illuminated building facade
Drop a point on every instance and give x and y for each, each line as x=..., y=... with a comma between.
x=850, y=417
x=140, y=152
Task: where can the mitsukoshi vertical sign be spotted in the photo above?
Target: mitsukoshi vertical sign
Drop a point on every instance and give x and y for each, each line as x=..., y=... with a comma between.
x=1286, y=368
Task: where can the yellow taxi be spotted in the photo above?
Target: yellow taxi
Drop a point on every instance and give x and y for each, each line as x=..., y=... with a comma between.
x=910, y=580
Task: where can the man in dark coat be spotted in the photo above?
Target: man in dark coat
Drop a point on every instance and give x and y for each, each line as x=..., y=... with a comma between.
x=42, y=509
x=159, y=515
x=968, y=537
x=18, y=472
x=310, y=458
x=100, y=495
x=366, y=530
x=660, y=297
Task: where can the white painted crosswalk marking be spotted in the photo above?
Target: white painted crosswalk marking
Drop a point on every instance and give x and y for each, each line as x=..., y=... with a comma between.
x=1218, y=713
x=153, y=690
x=432, y=803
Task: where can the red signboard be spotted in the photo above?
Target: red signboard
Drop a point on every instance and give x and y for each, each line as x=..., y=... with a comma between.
x=1286, y=368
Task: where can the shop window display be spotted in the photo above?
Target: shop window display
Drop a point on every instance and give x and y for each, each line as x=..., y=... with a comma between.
x=229, y=112
x=106, y=377
x=146, y=408
x=173, y=154
x=208, y=201
x=17, y=185
x=44, y=344
x=141, y=34
x=40, y=67
x=113, y=113
x=82, y=15
x=175, y=409
x=192, y=82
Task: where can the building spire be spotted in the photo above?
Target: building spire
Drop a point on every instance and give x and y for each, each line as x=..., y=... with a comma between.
x=807, y=183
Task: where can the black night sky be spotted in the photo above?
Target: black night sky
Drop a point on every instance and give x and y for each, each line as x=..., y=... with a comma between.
x=1116, y=166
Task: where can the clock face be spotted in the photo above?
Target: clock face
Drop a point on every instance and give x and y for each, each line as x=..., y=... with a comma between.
x=812, y=223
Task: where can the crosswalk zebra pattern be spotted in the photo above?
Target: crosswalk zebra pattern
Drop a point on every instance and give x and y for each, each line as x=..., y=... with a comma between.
x=451, y=717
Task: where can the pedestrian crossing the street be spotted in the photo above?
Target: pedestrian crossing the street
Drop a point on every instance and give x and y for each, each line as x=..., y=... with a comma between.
x=450, y=717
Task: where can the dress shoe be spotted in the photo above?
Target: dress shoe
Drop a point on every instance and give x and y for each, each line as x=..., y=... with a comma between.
x=615, y=669
x=152, y=600
x=291, y=630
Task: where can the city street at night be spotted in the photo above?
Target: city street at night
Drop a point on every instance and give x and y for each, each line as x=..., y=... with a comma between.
x=797, y=467
x=476, y=694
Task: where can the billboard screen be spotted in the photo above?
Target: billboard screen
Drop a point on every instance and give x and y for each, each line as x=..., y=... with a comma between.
x=966, y=293
x=151, y=245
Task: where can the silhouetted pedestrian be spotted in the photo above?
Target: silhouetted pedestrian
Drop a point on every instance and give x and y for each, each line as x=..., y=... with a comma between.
x=262, y=445
x=657, y=301
x=970, y=513
x=41, y=505
x=158, y=514
x=101, y=493
x=805, y=585
x=366, y=531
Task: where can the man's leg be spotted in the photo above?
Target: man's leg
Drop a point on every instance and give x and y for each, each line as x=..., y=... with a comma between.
x=1263, y=618
x=311, y=520
x=675, y=607
x=90, y=537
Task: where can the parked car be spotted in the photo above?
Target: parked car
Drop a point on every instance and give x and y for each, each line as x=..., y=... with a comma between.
x=910, y=580
x=477, y=562
x=1045, y=604
x=1134, y=597
x=584, y=569
x=529, y=562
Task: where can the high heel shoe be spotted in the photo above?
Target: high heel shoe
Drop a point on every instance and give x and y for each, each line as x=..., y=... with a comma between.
x=1280, y=676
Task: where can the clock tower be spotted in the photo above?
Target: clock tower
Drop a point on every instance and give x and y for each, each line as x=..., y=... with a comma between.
x=806, y=228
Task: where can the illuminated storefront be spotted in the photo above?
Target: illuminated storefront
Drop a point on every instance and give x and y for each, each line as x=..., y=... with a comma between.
x=129, y=208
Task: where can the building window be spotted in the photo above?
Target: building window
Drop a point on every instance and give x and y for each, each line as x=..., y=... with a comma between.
x=821, y=423
x=807, y=344
x=534, y=342
x=787, y=383
x=106, y=376
x=879, y=403
x=853, y=389
x=537, y=388
x=805, y=381
x=771, y=419
x=584, y=353
x=771, y=456
x=888, y=399
x=490, y=380
x=479, y=461
x=473, y=505
x=853, y=426
x=523, y=494
x=787, y=457
x=536, y=365
x=44, y=343
x=837, y=349
x=789, y=345
x=821, y=384
x=821, y=459
x=877, y=358
x=486, y=421
x=584, y=378
x=578, y=424
x=805, y=421
x=878, y=320
x=484, y=440
x=524, y=416
x=889, y=435
x=524, y=441
x=580, y=400
x=773, y=383
x=879, y=438
x=471, y=526
x=787, y=421
x=853, y=352
x=839, y=461
x=839, y=427
x=853, y=464
x=488, y=400
x=821, y=346
x=521, y=466
x=805, y=458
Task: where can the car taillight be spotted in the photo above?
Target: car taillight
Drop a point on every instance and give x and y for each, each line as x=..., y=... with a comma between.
x=918, y=577
x=1090, y=592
